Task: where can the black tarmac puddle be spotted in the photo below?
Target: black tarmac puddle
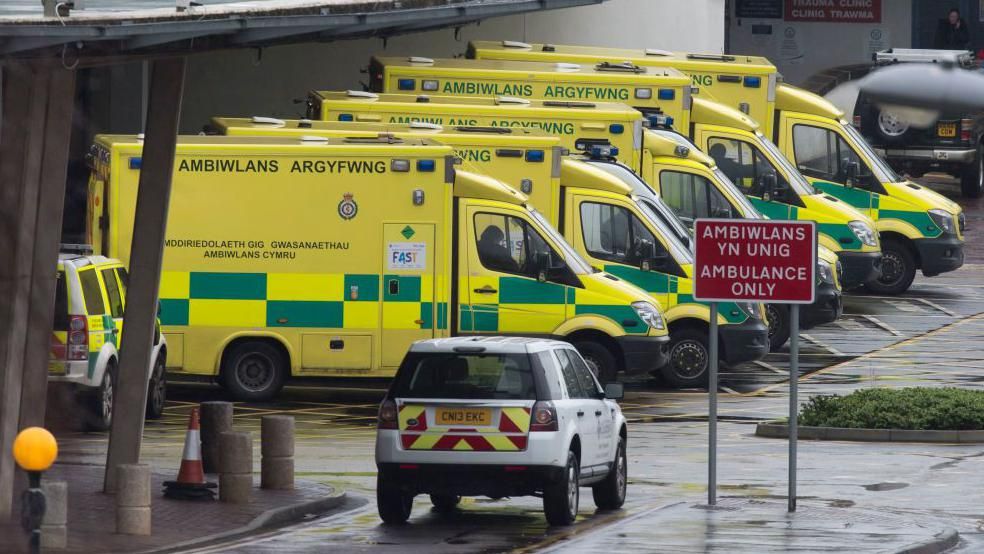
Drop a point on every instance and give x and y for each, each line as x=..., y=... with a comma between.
x=886, y=486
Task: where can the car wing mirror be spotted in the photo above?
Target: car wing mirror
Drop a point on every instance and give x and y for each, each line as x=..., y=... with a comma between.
x=769, y=186
x=614, y=391
x=851, y=170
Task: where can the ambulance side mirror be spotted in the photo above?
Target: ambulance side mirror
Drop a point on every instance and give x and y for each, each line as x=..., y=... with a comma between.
x=769, y=186
x=851, y=170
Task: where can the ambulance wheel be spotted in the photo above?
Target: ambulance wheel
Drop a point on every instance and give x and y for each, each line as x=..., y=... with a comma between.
x=689, y=359
x=445, y=503
x=100, y=413
x=778, y=326
x=972, y=177
x=254, y=371
x=601, y=361
x=157, y=390
x=560, y=499
x=393, y=504
x=898, y=268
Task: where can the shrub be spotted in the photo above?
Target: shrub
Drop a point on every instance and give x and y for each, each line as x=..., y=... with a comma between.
x=944, y=409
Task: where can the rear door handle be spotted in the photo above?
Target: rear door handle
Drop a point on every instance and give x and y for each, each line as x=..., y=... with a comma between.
x=598, y=413
x=580, y=414
x=486, y=290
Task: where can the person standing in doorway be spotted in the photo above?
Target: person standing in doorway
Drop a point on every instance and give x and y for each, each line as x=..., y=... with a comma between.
x=952, y=33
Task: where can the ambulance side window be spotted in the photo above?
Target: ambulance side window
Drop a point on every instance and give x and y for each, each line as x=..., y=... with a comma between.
x=822, y=154
x=743, y=164
x=113, y=292
x=613, y=233
x=509, y=245
x=693, y=196
x=92, y=292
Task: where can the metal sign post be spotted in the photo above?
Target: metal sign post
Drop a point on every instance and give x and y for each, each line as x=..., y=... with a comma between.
x=753, y=261
x=712, y=409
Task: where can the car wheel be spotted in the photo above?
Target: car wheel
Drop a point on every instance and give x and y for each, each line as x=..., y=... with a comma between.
x=560, y=499
x=610, y=493
x=898, y=269
x=891, y=127
x=393, y=504
x=157, y=390
x=972, y=177
x=445, y=503
x=254, y=371
x=100, y=416
x=778, y=326
x=599, y=359
x=689, y=359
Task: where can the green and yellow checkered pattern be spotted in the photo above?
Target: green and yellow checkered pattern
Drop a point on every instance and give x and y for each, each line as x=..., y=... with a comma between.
x=300, y=300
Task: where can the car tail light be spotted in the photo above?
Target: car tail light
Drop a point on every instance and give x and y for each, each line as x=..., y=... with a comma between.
x=544, y=417
x=78, y=338
x=966, y=127
x=857, y=122
x=387, y=415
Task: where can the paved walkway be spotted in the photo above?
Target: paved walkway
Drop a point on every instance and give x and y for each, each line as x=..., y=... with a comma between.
x=92, y=524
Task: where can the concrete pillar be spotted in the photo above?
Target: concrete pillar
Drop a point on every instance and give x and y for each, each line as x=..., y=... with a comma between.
x=236, y=472
x=216, y=419
x=29, y=235
x=133, y=516
x=54, y=526
x=277, y=450
x=146, y=255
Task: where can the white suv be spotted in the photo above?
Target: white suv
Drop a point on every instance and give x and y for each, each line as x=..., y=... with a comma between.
x=497, y=417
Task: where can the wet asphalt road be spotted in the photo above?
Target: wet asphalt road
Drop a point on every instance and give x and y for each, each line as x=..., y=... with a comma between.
x=855, y=497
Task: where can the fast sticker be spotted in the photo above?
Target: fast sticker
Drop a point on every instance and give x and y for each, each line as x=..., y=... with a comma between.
x=407, y=255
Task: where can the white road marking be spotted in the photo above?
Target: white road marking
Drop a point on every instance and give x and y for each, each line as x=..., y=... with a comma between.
x=882, y=325
x=822, y=344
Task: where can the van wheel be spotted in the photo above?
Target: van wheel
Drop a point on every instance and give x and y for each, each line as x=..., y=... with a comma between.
x=254, y=371
x=689, y=359
x=778, y=326
x=560, y=499
x=610, y=493
x=445, y=503
x=393, y=504
x=599, y=359
x=157, y=390
x=898, y=269
x=972, y=177
x=100, y=413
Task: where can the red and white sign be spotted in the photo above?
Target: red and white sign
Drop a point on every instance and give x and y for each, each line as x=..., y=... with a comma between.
x=834, y=11
x=751, y=260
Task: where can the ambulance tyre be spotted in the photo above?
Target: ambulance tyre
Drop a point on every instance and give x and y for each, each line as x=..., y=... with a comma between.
x=560, y=499
x=898, y=268
x=99, y=416
x=972, y=177
x=599, y=358
x=254, y=371
x=445, y=503
x=393, y=504
x=690, y=357
x=157, y=389
x=778, y=325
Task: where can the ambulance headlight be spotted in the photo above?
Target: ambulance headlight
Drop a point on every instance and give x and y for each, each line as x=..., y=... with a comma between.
x=864, y=232
x=825, y=273
x=943, y=219
x=649, y=314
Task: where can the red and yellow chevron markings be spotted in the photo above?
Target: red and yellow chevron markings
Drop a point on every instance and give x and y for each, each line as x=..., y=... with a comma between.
x=509, y=436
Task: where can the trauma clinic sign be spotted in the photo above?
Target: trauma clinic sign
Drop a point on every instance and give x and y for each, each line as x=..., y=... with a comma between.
x=834, y=11
x=750, y=260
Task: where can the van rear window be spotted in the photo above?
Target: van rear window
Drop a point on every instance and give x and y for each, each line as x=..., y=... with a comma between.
x=465, y=376
x=61, y=303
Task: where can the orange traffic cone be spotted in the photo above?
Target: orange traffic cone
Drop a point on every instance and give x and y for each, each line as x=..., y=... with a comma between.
x=190, y=484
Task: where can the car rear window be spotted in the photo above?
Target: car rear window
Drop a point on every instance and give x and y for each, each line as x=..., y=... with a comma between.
x=61, y=303
x=92, y=292
x=465, y=376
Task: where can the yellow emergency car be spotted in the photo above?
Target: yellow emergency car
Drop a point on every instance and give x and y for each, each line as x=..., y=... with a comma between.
x=651, y=90
x=601, y=219
x=320, y=256
x=919, y=228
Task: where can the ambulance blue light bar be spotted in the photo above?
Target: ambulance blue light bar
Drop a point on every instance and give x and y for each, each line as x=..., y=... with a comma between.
x=616, y=128
x=136, y=162
x=752, y=81
x=346, y=117
x=667, y=94
x=535, y=156
x=426, y=165
x=406, y=84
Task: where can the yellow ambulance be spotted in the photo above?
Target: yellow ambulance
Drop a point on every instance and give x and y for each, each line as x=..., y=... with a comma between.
x=601, y=219
x=317, y=256
x=651, y=90
x=920, y=229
